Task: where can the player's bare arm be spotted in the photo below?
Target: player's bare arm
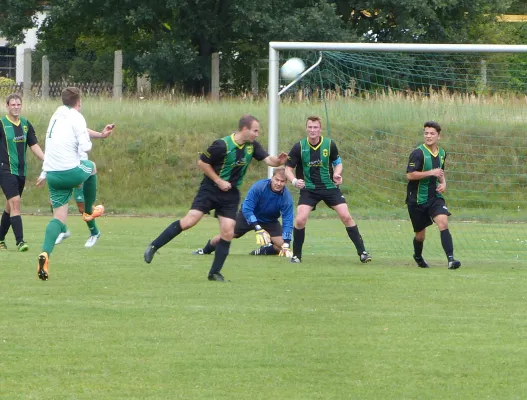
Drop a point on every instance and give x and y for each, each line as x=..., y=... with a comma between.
x=441, y=188
x=107, y=131
x=210, y=173
x=417, y=175
x=37, y=151
x=276, y=161
x=298, y=183
x=337, y=174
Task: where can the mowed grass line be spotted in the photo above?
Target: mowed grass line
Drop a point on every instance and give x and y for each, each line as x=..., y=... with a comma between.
x=108, y=326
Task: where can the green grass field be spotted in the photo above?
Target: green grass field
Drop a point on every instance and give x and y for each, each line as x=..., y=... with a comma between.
x=108, y=326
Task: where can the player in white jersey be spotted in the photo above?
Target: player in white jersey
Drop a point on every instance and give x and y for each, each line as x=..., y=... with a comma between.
x=78, y=193
x=67, y=135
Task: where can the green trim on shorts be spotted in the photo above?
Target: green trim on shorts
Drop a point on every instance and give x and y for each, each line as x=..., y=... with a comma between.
x=62, y=183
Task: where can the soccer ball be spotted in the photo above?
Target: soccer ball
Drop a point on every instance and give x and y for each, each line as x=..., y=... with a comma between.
x=292, y=68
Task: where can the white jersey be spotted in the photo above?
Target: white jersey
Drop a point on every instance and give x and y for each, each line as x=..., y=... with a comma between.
x=67, y=139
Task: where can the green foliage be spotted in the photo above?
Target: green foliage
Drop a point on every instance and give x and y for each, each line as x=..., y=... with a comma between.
x=431, y=21
x=6, y=86
x=172, y=40
x=17, y=16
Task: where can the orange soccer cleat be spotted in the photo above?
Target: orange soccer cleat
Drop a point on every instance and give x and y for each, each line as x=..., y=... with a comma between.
x=96, y=212
x=43, y=265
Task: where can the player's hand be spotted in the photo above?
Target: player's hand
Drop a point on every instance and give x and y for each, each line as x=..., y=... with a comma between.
x=107, y=131
x=40, y=181
x=437, y=172
x=285, y=251
x=282, y=157
x=224, y=185
x=337, y=179
x=441, y=188
x=262, y=236
x=298, y=183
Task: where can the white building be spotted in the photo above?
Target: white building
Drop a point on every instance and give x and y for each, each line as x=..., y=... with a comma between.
x=12, y=59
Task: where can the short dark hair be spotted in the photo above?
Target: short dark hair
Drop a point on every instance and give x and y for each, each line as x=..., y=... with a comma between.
x=314, y=118
x=71, y=96
x=433, y=124
x=11, y=97
x=246, y=122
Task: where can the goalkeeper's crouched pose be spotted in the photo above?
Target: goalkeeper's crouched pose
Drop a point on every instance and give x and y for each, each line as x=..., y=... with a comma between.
x=266, y=200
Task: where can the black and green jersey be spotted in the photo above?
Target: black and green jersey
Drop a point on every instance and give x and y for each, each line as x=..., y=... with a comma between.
x=314, y=164
x=423, y=190
x=14, y=139
x=230, y=159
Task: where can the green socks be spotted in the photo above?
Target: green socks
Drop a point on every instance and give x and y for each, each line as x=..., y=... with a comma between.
x=53, y=230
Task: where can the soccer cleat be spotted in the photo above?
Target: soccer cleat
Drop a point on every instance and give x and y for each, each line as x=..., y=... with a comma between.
x=22, y=246
x=96, y=212
x=198, y=252
x=365, y=257
x=92, y=240
x=43, y=265
x=421, y=263
x=216, y=277
x=3, y=246
x=296, y=260
x=454, y=264
x=149, y=253
x=62, y=236
x=255, y=252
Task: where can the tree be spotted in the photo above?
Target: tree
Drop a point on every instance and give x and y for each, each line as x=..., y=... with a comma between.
x=18, y=15
x=424, y=21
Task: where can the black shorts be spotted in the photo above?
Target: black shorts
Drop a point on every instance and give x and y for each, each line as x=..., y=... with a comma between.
x=332, y=197
x=242, y=227
x=12, y=185
x=212, y=198
x=422, y=215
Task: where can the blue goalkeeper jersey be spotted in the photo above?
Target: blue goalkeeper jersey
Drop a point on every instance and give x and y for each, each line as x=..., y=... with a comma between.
x=265, y=206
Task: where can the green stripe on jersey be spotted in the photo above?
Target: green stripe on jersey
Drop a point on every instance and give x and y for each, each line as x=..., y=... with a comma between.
x=425, y=188
x=315, y=163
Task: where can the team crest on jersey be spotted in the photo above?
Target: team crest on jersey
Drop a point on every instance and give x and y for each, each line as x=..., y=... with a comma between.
x=325, y=152
x=442, y=160
x=250, y=149
x=25, y=129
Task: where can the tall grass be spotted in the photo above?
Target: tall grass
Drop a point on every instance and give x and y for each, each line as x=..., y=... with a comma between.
x=149, y=163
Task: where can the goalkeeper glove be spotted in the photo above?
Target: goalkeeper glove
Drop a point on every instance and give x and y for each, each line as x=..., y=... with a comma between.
x=262, y=236
x=285, y=251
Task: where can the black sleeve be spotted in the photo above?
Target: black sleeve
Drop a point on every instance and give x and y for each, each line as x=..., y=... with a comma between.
x=294, y=157
x=215, y=152
x=415, y=163
x=259, y=152
x=31, y=136
x=333, y=151
x=443, y=166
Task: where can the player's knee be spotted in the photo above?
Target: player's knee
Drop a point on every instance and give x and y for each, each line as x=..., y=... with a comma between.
x=188, y=222
x=420, y=236
x=14, y=205
x=347, y=220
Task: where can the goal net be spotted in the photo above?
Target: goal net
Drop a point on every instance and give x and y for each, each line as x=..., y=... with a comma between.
x=374, y=103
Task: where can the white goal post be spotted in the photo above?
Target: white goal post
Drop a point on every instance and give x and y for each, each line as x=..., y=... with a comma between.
x=276, y=47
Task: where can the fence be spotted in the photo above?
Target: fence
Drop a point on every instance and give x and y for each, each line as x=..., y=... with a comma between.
x=31, y=86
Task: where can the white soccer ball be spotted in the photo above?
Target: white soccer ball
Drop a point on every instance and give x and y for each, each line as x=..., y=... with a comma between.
x=292, y=68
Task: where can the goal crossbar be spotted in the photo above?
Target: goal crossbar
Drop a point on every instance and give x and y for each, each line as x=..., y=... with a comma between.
x=275, y=47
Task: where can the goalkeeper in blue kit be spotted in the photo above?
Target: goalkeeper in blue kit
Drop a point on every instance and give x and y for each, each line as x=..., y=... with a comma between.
x=266, y=200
